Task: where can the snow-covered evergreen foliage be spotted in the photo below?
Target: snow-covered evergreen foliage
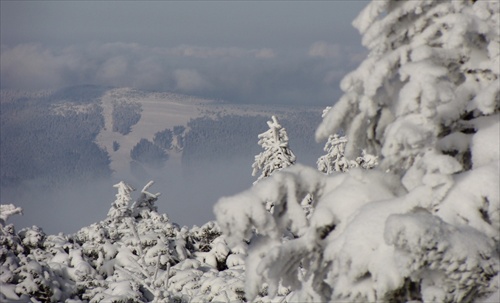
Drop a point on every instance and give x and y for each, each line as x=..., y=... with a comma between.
x=8, y=210
x=277, y=154
x=120, y=208
x=134, y=255
x=432, y=69
x=335, y=160
x=424, y=226
x=367, y=239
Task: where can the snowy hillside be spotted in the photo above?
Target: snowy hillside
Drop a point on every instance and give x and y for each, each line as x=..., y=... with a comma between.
x=160, y=111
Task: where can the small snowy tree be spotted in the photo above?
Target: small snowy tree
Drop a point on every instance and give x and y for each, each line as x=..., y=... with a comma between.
x=277, y=154
x=334, y=160
x=121, y=206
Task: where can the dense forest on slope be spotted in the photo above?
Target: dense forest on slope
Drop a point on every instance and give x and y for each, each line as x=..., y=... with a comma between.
x=52, y=137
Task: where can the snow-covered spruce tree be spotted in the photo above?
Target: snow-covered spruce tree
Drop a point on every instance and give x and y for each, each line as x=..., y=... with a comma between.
x=121, y=206
x=335, y=160
x=8, y=210
x=424, y=226
x=132, y=249
x=276, y=155
x=156, y=260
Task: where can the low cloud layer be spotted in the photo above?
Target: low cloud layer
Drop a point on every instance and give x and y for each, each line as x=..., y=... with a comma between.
x=228, y=73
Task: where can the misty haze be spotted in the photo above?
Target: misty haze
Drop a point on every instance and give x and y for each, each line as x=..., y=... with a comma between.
x=75, y=143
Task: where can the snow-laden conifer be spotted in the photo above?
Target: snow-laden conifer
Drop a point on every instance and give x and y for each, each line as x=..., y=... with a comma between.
x=334, y=159
x=432, y=68
x=276, y=155
x=425, y=226
x=121, y=206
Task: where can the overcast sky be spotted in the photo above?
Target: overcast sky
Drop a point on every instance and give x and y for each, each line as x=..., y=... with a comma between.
x=238, y=51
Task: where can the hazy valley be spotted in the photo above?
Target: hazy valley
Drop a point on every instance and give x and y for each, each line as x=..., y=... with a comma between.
x=83, y=139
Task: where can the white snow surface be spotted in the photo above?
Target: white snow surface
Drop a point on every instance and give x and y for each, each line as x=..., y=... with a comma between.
x=485, y=144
